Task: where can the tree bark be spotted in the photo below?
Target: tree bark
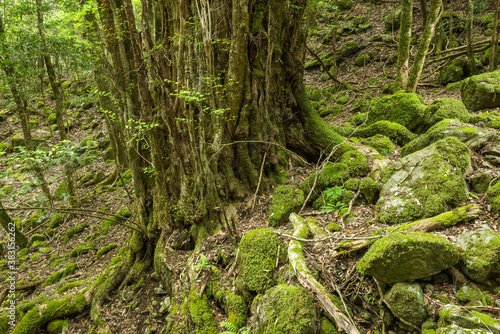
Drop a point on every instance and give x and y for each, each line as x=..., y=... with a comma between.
x=10, y=227
x=468, y=31
x=423, y=47
x=56, y=89
x=404, y=45
x=494, y=39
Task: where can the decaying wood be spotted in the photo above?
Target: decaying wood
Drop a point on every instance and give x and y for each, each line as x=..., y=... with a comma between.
x=441, y=221
x=307, y=280
x=28, y=286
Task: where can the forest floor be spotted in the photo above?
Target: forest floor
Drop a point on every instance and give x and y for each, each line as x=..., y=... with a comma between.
x=130, y=311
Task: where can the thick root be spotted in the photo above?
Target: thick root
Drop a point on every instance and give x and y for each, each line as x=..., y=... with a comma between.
x=306, y=278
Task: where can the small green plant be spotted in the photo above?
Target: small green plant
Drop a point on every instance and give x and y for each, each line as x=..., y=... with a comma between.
x=331, y=198
x=231, y=329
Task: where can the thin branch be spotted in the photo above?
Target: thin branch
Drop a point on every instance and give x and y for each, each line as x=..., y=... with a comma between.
x=322, y=64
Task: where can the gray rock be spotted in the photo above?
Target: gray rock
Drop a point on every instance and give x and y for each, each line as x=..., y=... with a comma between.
x=455, y=329
x=492, y=153
x=401, y=257
x=466, y=319
x=271, y=312
x=406, y=301
x=425, y=183
x=482, y=254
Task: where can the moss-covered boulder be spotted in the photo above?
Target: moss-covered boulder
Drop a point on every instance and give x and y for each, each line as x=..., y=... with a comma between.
x=258, y=252
x=200, y=313
x=381, y=143
x=400, y=257
x=396, y=132
x=332, y=175
x=444, y=108
x=343, y=4
x=455, y=319
x=98, y=177
x=468, y=134
x=406, y=301
x=407, y=109
x=425, y=183
x=494, y=197
x=286, y=199
x=453, y=72
x=352, y=184
x=347, y=50
x=284, y=309
x=481, y=182
x=467, y=295
x=489, y=119
x=370, y=189
x=482, y=254
x=356, y=162
x=57, y=220
x=481, y=91
x=362, y=60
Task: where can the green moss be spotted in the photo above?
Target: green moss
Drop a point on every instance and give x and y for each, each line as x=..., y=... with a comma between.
x=83, y=249
x=4, y=147
x=381, y=143
x=87, y=177
x=107, y=224
x=352, y=184
x=37, y=237
x=200, y=313
x=356, y=162
x=236, y=310
x=370, y=189
x=333, y=227
x=99, y=177
x=105, y=250
x=467, y=295
x=446, y=108
x=489, y=119
x=57, y=326
x=362, y=60
x=332, y=175
x=56, y=277
x=406, y=109
x=60, y=193
x=481, y=91
x=71, y=285
x=441, y=298
x=124, y=212
x=494, y=197
x=258, y=252
x=358, y=119
x=286, y=199
x=396, y=132
x=52, y=119
x=481, y=182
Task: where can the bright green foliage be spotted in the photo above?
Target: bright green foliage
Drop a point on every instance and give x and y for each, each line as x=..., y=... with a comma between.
x=332, y=175
x=274, y=311
x=396, y=132
x=381, y=143
x=407, y=109
x=331, y=199
x=286, y=199
x=257, y=259
x=333, y=227
x=358, y=119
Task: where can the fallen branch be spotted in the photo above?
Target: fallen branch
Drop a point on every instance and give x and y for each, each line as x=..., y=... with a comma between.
x=439, y=222
x=28, y=286
x=351, y=202
x=298, y=262
x=322, y=64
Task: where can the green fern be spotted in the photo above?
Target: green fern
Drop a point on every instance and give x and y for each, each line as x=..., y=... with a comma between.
x=232, y=329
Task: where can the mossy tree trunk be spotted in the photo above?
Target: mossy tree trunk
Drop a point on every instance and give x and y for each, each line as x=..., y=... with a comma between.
x=494, y=39
x=220, y=93
x=10, y=227
x=404, y=45
x=468, y=31
x=56, y=89
x=423, y=48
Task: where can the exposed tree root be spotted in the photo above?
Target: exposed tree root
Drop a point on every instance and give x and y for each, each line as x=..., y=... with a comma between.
x=305, y=277
x=441, y=221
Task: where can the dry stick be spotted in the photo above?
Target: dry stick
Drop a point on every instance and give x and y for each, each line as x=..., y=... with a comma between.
x=307, y=280
x=5, y=291
x=455, y=52
x=322, y=64
x=351, y=202
x=254, y=199
x=80, y=212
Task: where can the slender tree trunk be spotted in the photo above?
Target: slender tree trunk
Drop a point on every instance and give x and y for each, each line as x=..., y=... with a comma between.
x=423, y=48
x=423, y=6
x=10, y=227
x=494, y=39
x=468, y=30
x=68, y=170
x=404, y=45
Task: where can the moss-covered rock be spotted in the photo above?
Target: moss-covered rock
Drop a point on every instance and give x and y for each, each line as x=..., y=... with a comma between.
x=50, y=232
x=52, y=119
x=274, y=311
x=396, y=132
x=332, y=175
x=485, y=60
x=400, y=257
x=489, y=119
x=466, y=295
x=494, y=197
x=482, y=254
x=352, y=184
x=406, y=301
x=370, y=189
x=455, y=319
x=257, y=259
x=347, y=49
x=56, y=277
x=57, y=220
x=106, y=249
x=358, y=118
x=333, y=227
x=326, y=327
x=37, y=237
x=124, y=212
x=356, y=162
x=57, y=326
x=481, y=182
x=481, y=91
x=407, y=109
x=362, y=60
x=80, y=250
x=444, y=108
x=200, y=313
x=381, y=143
x=453, y=72
x=425, y=183
x=99, y=177
x=87, y=178
x=286, y=199
x=343, y=5
x=470, y=135
x=393, y=20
